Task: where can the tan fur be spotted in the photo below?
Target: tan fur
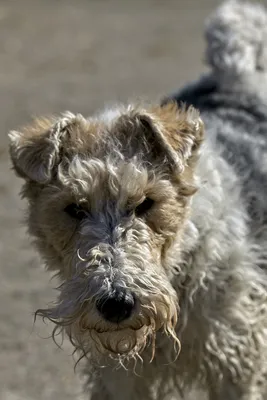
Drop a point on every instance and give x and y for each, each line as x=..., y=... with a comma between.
x=152, y=133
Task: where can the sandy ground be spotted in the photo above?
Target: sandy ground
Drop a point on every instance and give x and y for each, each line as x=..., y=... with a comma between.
x=78, y=55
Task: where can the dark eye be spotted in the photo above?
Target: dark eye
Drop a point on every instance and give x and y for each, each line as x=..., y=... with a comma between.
x=144, y=207
x=75, y=211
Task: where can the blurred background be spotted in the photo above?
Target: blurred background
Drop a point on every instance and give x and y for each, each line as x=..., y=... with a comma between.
x=76, y=55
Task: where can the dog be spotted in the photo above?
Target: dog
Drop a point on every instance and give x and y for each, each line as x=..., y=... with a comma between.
x=154, y=219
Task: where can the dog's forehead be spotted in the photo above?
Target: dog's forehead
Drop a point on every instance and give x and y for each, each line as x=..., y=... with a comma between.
x=119, y=181
x=130, y=142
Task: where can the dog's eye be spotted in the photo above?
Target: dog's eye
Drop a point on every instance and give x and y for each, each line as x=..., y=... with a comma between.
x=75, y=211
x=144, y=207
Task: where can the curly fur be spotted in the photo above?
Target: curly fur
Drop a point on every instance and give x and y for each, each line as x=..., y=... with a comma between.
x=196, y=260
x=236, y=36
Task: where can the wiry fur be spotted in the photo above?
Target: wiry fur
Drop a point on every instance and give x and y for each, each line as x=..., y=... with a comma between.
x=196, y=260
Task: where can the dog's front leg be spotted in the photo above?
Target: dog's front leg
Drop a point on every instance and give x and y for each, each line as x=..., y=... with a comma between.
x=99, y=393
x=255, y=390
x=121, y=385
x=228, y=391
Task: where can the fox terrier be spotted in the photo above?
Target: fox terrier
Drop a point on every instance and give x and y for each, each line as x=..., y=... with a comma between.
x=154, y=219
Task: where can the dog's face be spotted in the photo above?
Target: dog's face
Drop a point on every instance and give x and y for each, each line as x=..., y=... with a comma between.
x=108, y=198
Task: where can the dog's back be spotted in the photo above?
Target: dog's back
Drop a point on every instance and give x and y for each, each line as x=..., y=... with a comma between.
x=232, y=98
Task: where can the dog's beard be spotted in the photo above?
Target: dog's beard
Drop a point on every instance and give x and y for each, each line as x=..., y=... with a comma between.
x=94, y=337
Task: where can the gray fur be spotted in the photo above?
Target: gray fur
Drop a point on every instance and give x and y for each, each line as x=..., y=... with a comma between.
x=234, y=113
x=232, y=100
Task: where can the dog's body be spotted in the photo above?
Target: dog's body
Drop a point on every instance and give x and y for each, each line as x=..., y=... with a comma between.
x=139, y=247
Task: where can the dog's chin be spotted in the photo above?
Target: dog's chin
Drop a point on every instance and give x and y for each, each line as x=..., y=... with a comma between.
x=125, y=342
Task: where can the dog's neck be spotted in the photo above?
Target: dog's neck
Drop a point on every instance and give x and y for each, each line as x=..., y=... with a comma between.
x=216, y=231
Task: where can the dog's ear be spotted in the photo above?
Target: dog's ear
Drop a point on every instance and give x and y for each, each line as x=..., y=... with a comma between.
x=179, y=132
x=36, y=149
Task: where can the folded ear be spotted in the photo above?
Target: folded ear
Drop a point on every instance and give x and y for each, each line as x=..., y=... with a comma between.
x=35, y=150
x=178, y=131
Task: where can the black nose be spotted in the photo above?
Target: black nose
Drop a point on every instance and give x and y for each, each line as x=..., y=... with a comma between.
x=117, y=305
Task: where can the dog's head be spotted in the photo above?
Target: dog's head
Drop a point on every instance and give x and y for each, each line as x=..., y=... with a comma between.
x=108, y=199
